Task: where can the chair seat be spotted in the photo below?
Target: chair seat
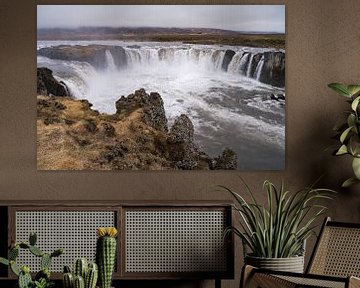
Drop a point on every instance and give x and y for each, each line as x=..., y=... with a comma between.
x=335, y=262
x=315, y=282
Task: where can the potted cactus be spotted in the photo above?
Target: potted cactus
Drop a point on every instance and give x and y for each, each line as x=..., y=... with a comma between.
x=42, y=278
x=106, y=254
x=84, y=275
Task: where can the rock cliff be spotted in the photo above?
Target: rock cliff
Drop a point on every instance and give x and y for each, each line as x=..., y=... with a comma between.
x=73, y=136
x=92, y=54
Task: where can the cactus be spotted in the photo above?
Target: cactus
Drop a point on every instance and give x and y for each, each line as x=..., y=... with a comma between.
x=32, y=238
x=80, y=268
x=24, y=278
x=79, y=282
x=13, y=253
x=68, y=280
x=91, y=276
x=36, y=251
x=45, y=261
x=105, y=254
x=90, y=272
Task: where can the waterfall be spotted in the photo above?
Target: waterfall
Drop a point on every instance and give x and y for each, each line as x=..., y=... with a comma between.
x=234, y=64
x=110, y=63
x=248, y=71
x=259, y=67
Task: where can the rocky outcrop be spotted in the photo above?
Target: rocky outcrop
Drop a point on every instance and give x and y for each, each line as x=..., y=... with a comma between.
x=92, y=54
x=71, y=135
x=151, y=104
x=48, y=85
x=226, y=161
x=229, y=54
x=273, y=71
x=183, y=150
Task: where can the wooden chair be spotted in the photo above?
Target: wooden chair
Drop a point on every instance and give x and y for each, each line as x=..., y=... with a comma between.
x=335, y=262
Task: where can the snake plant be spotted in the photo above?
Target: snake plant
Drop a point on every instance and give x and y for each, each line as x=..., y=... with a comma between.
x=279, y=228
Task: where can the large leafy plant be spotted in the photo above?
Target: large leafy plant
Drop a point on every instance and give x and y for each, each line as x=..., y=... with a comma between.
x=279, y=229
x=348, y=132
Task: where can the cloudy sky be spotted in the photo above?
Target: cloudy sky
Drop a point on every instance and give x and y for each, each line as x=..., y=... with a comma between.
x=260, y=18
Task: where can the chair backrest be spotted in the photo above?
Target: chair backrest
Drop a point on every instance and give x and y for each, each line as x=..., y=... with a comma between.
x=337, y=251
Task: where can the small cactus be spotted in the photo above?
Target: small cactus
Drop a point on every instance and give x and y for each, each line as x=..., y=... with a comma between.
x=23, y=273
x=13, y=253
x=80, y=268
x=36, y=251
x=68, y=280
x=24, y=280
x=79, y=282
x=91, y=276
x=32, y=238
x=89, y=272
x=106, y=254
x=45, y=261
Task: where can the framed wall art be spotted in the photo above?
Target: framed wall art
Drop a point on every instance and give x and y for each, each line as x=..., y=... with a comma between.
x=160, y=87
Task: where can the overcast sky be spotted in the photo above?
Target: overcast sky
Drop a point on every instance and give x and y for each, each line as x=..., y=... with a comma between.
x=261, y=18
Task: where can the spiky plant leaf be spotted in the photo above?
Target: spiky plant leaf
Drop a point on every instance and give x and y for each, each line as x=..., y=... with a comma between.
x=280, y=228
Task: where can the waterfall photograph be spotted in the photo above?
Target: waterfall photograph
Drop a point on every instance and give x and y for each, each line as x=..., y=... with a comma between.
x=161, y=87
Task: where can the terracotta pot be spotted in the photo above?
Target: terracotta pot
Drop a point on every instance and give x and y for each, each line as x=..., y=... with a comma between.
x=291, y=264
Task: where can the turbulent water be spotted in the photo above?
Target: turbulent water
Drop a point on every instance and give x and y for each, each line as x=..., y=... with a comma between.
x=228, y=108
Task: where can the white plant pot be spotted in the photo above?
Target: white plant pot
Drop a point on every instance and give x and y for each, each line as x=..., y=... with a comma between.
x=291, y=264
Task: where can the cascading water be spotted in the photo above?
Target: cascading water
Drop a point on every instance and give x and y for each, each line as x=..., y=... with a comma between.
x=224, y=106
x=259, y=68
x=248, y=71
x=110, y=63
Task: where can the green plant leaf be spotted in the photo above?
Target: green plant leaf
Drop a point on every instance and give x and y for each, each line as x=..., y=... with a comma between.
x=340, y=88
x=353, y=89
x=349, y=182
x=356, y=167
x=351, y=120
x=355, y=103
x=345, y=134
x=342, y=150
x=4, y=261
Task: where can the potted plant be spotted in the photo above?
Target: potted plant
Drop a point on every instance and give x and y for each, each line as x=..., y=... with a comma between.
x=42, y=278
x=348, y=132
x=276, y=233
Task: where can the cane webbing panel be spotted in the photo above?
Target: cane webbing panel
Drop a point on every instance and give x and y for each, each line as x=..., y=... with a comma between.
x=338, y=252
x=75, y=231
x=312, y=282
x=175, y=241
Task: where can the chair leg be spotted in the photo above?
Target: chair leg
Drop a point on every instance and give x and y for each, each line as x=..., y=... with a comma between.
x=354, y=282
x=251, y=279
x=246, y=274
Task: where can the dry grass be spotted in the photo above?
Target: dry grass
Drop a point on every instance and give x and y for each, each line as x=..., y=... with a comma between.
x=76, y=138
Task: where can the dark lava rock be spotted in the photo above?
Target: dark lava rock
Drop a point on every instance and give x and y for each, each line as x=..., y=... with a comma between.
x=226, y=161
x=273, y=71
x=277, y=97
x=229, y=54
x=92, y=54
x=182, y=149
x=152, y=105
x=115, y=151
x=254, y=63
x=48, y=85
x=90, y=126
x=109, y=129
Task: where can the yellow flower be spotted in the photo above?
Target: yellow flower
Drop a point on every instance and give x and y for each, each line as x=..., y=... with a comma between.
x=106, y=231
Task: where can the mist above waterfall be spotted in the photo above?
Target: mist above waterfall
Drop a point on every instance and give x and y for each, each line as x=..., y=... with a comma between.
x=229, y=108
